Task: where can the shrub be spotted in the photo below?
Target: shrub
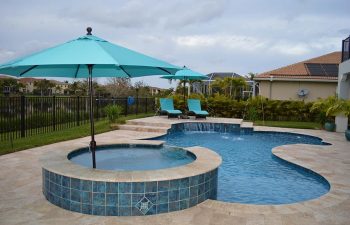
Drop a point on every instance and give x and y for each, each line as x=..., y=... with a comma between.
x=113, y=112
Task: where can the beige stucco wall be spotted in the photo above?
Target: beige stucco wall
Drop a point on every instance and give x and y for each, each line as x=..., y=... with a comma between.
x=287, y=90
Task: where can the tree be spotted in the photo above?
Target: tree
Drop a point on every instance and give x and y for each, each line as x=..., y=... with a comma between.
x=10, y=83
x=44, y=86
x=251, y=75
x=119, y=87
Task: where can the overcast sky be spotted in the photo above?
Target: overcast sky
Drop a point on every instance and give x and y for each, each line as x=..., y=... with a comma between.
x=207, y=36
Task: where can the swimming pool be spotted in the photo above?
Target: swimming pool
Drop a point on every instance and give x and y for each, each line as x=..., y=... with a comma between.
x=250, y=173
x=133, y=157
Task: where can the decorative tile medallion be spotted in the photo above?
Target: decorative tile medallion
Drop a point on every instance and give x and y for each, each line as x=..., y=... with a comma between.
x=144, y=205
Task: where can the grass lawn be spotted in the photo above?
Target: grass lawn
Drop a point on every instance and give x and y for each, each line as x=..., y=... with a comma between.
x=289, y=124
x=101, y=126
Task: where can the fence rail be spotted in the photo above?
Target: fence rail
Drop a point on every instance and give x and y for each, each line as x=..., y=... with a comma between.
x=26, y=116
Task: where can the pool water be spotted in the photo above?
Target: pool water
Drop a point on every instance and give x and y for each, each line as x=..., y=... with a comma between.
x=133, y=157
x=250, y=173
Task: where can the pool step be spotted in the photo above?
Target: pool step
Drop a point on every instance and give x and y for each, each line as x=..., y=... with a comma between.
x=150, y=124
x=247, y=124
x=143, y=128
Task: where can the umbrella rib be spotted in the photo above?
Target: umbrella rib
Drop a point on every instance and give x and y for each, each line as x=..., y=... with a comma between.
x=164, y=70
x=125, y=71
x=27, y=70
x=76, y=72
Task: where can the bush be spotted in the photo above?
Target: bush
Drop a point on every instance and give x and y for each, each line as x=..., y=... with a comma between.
x=113, y=112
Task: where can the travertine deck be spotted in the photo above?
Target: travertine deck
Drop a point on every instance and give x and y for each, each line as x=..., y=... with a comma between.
x=21, y=200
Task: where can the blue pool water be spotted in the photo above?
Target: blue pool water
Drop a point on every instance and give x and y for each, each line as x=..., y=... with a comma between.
x=250, y=173
x=133, y=157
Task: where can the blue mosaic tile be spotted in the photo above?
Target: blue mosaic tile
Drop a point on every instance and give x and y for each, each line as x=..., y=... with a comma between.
x=124, y=211
x=75, y=206
x=75, y=183
x=124, y=187
x=65, y=181
x=201, y=179
x=163, y=185
x=153, y=197
x=99, y=199
x=75, y=195
x=112, y=211
x=152, y=210
x=98, y=210
x=173, y=195
x=65, y=193
x=174, y=184
x=111, y=187
x=194, y=180
x=86, y=185
x=201, y=189
x=201, y=198
x=184, y=204
x=174, y=206
x=138, y=187
x=193, y=201
x=112, y=199
x=136, y=212
x=184, y=193
x=193, y=191
x=99, y=186
x=65, y=204
x=86, y=197
x=163, y=208
x=206, y=186
x=86, y=208
x=125, y=200
x=163, y=197
x=136, y=198
x=151, y=186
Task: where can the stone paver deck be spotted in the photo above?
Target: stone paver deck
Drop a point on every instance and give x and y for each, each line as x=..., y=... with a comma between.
x=22, y=201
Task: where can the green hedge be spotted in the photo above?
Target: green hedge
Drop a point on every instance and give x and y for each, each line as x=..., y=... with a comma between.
x=253, y=109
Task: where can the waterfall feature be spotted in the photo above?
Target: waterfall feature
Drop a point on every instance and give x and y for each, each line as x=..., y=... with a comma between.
x=208, y=127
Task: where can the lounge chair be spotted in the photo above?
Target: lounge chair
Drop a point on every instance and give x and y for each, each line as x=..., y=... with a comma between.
x=194, y=108
x=167, y=108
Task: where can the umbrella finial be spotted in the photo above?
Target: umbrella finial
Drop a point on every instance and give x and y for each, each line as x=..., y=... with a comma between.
x=89, y=29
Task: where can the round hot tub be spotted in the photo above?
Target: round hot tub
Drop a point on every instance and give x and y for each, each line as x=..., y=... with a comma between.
x=133, y=157
x=131, y=179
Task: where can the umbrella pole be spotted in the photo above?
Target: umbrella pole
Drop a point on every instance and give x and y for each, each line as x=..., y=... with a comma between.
x=92, y=142
x=185, y=92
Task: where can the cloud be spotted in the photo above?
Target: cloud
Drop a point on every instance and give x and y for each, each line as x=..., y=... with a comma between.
x=207, y=36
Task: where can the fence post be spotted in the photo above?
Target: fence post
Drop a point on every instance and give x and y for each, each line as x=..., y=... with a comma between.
x=146, y=104
x=78, y=110
x=54, y=112
x=137, y=104
x=23, y=114
x=126, y=106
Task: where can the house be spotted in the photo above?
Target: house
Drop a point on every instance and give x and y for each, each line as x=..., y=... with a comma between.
x=29, y=86
x=205, y=87
x=343, y=91
x=155, y=90
x=307, y=80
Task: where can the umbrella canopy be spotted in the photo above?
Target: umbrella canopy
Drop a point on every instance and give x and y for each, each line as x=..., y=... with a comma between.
x=87, y=57
x=72, y=58
x=185, y=74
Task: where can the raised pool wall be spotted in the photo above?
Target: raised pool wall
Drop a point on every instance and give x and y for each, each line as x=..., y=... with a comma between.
x=130, y=193
x=128, y=198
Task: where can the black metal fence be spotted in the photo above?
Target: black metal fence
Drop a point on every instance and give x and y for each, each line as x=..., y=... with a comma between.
x=346, y=49
x=25, y=116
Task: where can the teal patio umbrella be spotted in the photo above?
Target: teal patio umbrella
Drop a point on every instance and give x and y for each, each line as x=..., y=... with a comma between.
x=87, y=57
x=185, y=75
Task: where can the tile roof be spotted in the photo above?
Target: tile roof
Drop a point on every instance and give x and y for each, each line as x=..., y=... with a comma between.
x=299, y=70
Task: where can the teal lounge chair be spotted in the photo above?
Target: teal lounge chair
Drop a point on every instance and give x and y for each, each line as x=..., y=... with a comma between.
x=194, y=108
x=167, y=107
